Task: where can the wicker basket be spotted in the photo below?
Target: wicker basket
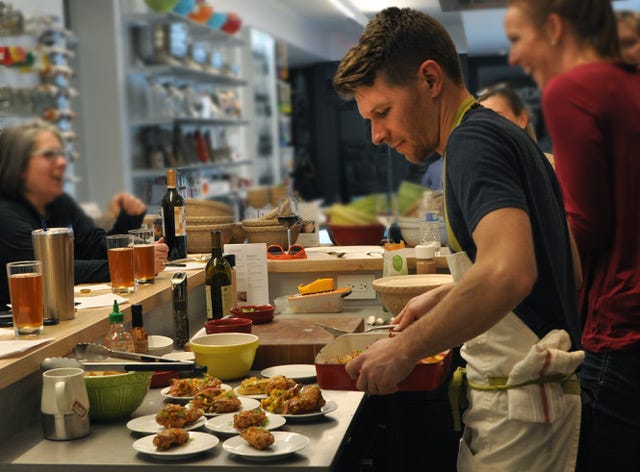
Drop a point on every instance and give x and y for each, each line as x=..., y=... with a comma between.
x=209, y=220
x=199, y=237
x=237, y=235
x=276, y=193
x=258, y=197
x=270, y=234
x=196, y=207
x=258, y=223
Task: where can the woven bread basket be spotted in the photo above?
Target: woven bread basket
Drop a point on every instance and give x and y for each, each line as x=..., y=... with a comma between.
x=396, y=291
x=199, y=237
x=197, y=207
x=270, y=234
x=209, y=220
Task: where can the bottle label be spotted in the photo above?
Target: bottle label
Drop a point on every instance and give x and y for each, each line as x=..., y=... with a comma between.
x=226, y=291
x=431, y=216
x=180, y=220
x=209, y=303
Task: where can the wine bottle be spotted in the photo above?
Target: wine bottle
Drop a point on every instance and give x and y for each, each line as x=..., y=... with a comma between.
x=174, y=221
x=219, y=288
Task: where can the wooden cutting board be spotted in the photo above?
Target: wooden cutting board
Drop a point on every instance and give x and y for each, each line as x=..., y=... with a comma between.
x=298, y=340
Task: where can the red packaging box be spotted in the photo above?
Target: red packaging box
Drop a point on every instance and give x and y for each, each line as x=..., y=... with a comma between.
x=333, y=376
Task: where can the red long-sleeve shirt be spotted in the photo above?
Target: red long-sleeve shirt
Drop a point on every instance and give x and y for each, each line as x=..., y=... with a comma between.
x=593, y=116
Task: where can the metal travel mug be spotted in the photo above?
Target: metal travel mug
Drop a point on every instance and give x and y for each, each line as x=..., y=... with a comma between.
x=54, y=248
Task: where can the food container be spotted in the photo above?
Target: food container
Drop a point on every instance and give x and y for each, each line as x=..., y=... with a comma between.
x=228, y=325
x=326, y=302
x=257, y=313
x=333, y=376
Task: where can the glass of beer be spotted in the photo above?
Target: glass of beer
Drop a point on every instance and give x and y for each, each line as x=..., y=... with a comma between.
x=25, y=291
x=120, y=255
x=143, y=255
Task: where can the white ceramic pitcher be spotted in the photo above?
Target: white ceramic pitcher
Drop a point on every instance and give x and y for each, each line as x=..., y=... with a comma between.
x=65, y=404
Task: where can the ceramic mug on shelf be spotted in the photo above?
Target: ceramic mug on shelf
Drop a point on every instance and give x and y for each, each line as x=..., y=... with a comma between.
x=65, y=404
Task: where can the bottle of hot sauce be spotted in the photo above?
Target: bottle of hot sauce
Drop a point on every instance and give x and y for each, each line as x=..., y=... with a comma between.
x=138, y=333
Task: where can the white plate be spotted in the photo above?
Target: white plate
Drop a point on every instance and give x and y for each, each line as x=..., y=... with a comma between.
x=181, y=356
x=148, y=424
x=285, y=443
x=297, y=372
x=165, y=393
x=255, y=395
x=198, y=443
x=245, y=404
x=327, y=408
x=223, y=424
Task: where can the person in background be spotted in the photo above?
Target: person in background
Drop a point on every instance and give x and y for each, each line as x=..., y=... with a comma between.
x=32, y=173
x=629, y=36
x=502, y=99
x=515, y=305
x=590, y=101
x=432, y=177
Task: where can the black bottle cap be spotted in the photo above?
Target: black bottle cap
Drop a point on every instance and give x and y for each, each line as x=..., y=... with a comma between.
x=231, y=259
x=136, y=315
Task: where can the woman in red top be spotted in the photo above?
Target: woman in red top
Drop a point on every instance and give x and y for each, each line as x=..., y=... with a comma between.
x=591, y=102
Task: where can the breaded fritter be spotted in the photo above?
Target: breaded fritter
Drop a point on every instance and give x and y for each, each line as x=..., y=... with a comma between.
x=215, y=401
x=177, y=416
x=257, y=437
x=279, y=382
x=189, y=387
x=308, y=400
x=170, y=437
x=248, y=418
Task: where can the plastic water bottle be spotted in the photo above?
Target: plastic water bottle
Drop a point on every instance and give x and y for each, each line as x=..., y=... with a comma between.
x=430, y=225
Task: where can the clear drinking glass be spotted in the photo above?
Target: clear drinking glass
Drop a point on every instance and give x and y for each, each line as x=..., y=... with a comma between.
x=121, y=266
x=25, y=289
x=143, y=255
x=386, y=210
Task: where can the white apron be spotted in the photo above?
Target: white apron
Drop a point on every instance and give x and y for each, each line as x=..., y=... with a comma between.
x=531, y=425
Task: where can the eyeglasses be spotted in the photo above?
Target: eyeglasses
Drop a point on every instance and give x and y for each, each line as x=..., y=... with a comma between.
x=296, y=251
x=51, y=154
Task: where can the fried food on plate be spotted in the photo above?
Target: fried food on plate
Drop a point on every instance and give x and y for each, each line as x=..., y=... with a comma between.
x=189, y=387
x=177, y=416
x=257, y=437
x=307, y=401
x=170, y=437
x=256, y=386
x=214, y=401
x=248, y=418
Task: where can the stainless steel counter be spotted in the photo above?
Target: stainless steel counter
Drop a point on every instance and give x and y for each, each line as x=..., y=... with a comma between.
x=109, y=445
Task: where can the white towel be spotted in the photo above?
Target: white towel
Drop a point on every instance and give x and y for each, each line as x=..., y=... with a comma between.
x=542, y=403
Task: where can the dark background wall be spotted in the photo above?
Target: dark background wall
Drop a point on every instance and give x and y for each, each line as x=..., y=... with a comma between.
x=334, y=157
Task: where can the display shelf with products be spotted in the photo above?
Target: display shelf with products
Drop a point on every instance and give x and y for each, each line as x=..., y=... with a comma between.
x=184, y=105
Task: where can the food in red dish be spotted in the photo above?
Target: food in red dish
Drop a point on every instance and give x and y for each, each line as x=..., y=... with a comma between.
x=257, y=313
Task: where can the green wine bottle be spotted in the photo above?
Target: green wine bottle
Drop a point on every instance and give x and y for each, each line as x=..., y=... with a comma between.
x=219, y=288
x=174, y=221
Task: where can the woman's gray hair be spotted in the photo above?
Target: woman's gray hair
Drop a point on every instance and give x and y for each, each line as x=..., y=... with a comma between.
x=16, y=147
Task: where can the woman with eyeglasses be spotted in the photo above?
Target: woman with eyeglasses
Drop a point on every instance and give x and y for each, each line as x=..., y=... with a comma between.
x=590, y=101
x=32, y=174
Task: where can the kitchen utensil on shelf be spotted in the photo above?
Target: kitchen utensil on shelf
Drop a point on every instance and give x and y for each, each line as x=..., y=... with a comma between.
x=97, y=352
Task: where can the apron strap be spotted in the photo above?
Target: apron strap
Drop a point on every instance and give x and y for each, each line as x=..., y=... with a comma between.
x=464, y=107
x=569, y=384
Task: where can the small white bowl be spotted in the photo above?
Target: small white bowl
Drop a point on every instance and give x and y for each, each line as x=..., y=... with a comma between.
x=160, y=345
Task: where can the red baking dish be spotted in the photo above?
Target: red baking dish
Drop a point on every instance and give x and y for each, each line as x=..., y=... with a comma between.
x=333, y=376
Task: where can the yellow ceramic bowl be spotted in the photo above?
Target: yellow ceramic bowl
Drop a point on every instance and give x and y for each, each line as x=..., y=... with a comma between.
x=227, y=356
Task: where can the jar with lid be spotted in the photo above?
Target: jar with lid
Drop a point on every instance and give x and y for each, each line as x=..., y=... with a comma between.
x=425, y=262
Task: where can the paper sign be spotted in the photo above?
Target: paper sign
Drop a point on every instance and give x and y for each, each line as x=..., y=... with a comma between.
x=252, y=275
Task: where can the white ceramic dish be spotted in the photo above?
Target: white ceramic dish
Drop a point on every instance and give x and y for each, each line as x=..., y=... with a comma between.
x=285, y=443
x=327, y=408
x=223, y=424
x=297, y=372
x=245, y=404
x=148, y=424
x=159, y=345
x=181, y=356
x=165, y=393
x=197, y=444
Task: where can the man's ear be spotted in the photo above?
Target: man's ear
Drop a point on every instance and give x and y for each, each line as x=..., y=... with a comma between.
x=431, y=74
